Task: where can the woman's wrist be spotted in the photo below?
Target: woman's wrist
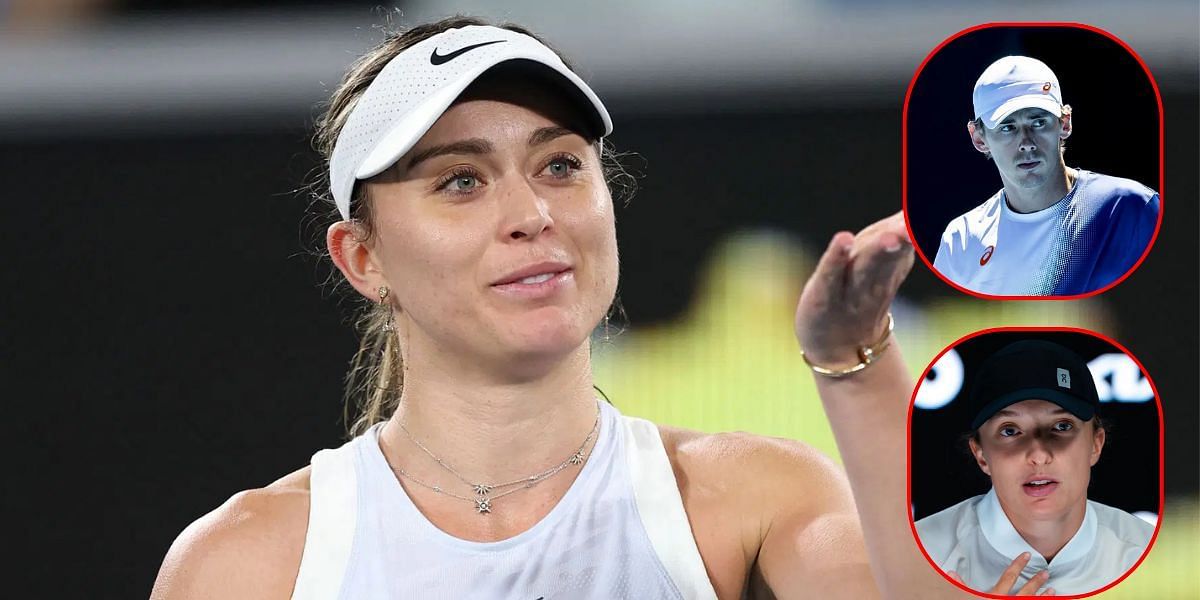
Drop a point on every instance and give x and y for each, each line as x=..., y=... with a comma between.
x=846, y=360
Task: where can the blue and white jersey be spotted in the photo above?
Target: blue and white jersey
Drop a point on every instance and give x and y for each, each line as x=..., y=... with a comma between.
x=1085, y=241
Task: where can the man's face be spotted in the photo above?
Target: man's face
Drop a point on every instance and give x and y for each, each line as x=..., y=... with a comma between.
x=1039, y=457
x=1025, y=146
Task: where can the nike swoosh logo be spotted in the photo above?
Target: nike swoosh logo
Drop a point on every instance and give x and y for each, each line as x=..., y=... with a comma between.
x=441, y=59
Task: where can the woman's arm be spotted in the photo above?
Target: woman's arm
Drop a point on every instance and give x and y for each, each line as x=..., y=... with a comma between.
x=248, y=548
x=844, y=306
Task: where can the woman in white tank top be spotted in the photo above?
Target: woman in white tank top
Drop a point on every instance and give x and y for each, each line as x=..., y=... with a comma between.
x=474, y=214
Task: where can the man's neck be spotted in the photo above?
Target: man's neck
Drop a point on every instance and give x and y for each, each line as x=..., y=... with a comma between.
x=1030, y=200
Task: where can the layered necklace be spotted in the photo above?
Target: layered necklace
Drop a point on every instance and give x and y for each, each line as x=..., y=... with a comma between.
x=485, y=493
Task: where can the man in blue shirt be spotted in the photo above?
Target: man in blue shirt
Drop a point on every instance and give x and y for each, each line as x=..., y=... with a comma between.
x=1051, y=230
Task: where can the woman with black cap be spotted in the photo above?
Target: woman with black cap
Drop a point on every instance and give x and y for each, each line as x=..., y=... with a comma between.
x=1036, y=433
x=473, y=213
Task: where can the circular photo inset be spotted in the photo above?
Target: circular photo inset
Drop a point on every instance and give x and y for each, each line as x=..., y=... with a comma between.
x=1035, y=462
x=1033, y=161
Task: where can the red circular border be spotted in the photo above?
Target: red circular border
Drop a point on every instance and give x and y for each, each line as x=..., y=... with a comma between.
x=904, y=157
x=1161, y=451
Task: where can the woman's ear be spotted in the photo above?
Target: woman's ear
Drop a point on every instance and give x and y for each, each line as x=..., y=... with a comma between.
x=977, y=452
x=354, y=257
x=1098, y=439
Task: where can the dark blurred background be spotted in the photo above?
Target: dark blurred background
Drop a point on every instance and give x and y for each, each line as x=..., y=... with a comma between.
x=170, y=339
x=943, y=472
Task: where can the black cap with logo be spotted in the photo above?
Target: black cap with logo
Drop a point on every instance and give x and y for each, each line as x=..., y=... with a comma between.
x=1033, y=370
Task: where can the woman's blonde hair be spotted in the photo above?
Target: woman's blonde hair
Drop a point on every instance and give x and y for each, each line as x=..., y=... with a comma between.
x=376, y=377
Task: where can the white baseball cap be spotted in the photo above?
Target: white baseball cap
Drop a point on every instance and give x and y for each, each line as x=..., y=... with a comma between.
x=420, y=83
x=1013, y=83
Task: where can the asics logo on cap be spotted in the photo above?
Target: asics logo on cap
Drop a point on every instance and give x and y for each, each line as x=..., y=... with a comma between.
x=1064, y=378
x=441, y=59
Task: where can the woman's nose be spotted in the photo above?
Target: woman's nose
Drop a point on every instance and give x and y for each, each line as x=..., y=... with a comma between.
x=1038, y=452
x=525, y=213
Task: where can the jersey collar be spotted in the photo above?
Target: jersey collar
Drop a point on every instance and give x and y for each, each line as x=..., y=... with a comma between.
x=1001, y=535
x=1046, y=213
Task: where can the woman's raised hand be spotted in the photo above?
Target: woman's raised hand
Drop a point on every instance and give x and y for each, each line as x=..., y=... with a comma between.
x=845, y=303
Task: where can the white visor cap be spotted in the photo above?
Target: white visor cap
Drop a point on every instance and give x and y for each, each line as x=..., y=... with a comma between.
x=1013, y=83
x=419, y=84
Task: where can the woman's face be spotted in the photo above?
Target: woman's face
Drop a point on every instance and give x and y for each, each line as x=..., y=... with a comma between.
x=1039, y=457
x=495, y=233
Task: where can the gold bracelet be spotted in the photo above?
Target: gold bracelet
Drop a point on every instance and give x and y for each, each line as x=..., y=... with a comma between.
x=866, y=355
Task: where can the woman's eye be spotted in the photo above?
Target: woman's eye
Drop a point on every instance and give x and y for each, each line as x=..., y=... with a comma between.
x=1063, y=426
x=460, y=182
x=562, y=166
x=559, y=167
x=1008, y=431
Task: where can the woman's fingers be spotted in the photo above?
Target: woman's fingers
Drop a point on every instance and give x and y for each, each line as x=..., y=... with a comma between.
x=1030, y=588
x=845, y=302
x=830, y=274
x=882, y=256
x=1009, y=577
x=888, y=234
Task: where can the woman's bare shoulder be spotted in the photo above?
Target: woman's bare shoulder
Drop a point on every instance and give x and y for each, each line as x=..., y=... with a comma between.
x=769, y=471
x=738, y=488
x=249, y=547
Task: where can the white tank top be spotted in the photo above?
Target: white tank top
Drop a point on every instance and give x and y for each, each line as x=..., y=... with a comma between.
x=620, y=531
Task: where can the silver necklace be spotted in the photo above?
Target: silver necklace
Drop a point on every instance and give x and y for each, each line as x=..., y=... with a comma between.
x=484, y=491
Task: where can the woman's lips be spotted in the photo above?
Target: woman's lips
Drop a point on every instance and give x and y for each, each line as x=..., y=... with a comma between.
x=537, y=286
x=1040, y=488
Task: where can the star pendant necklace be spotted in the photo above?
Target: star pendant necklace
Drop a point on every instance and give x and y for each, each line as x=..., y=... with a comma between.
x=484, y=492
